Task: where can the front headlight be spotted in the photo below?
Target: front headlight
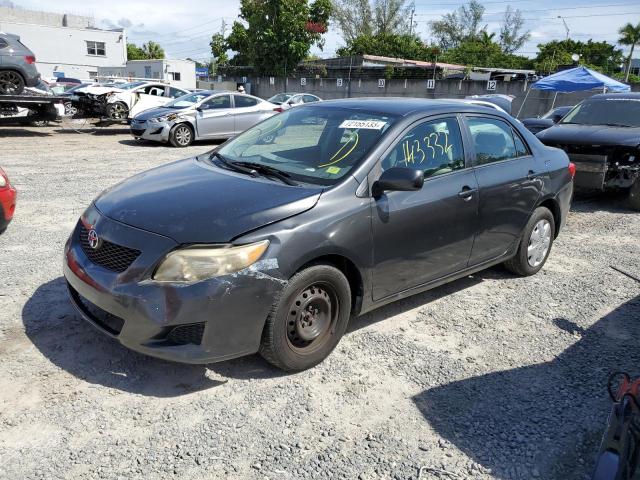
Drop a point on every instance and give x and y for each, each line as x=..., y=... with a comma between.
x=194, y=264
x=164, y=118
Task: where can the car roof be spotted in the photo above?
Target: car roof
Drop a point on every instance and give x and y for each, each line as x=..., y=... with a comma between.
x=402, y=106
x=626, y=96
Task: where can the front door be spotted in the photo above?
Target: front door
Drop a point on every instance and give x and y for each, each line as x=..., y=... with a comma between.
x=427, y=234
x=214, y=118
x=510, y=183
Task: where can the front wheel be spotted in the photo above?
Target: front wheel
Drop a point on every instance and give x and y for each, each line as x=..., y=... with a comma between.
x=308, y=320
x=535, y=245
x=117, y=111
x=181, y=135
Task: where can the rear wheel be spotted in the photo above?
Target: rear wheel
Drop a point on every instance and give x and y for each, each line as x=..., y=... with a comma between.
x=181, y=135
x=117, y=111
x=308, y=320
x=11, y=83
x=535, y=245
x=634, y=195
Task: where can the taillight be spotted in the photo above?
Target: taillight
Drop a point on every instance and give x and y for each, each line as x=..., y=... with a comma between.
x=30, y=59
x=572, y=169
x=278, y=109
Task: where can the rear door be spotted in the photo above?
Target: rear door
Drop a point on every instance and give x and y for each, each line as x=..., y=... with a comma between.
x=214, y=118
x=423, y=235
x=510, y=182
x=246, y=112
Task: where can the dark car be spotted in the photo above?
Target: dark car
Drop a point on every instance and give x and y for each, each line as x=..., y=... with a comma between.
x=17, y=65
x=602, y=137
x=549, y=119
x=271, y=241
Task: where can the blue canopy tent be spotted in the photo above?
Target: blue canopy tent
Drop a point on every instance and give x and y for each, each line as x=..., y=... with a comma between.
x=576, y=79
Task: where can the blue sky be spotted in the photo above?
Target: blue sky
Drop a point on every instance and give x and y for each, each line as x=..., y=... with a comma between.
x=183, y=27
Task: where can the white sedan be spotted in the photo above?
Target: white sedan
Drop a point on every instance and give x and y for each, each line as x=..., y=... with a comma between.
x=128, y=103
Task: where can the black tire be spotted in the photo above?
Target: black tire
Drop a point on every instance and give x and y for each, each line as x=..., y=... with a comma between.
x=524, y=264
x=11, y=82
x=181, y=135
x=117, y=111
x=634, y=195
x=319, y=294
x=40, y=123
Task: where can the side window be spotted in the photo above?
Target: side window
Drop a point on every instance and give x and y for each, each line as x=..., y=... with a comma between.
x=434, y=147
x=492, y=139
x=242, y=101
x=223, y=101
x=175, y=93
x=309, y=99
x=521, y=148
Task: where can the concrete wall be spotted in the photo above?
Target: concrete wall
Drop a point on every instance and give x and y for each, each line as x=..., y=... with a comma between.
x=64, y=49
x=34, y=17
x=157, y=70
x=537, y=103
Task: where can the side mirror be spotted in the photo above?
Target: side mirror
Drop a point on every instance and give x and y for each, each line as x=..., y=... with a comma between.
x=398, y=179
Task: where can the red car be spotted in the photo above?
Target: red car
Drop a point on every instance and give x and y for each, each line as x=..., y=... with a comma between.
x=7, y=201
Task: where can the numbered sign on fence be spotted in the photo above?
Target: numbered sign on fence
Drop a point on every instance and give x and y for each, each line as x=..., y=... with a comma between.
x=244, y=79
x=303, y=81
x=491, y=85
x=272, y=80
x=381, y=82
x=339, y=82
x=431, y=84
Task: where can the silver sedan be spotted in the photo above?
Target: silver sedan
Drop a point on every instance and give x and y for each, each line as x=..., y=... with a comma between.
x=204, y=115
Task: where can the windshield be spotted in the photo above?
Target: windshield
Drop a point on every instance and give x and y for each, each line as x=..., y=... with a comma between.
x=188, y=100
x=129, y=86
x=623, y=112
x=280, y=98
x=313, y=145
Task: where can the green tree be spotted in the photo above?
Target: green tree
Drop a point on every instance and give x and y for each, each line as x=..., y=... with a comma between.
x=278, y=33
x=134, y=52
x=388, y=45
x=484, y=52
x=601, y=56
x=152, y=50
x=461, y=24
x=219, y=49
x=371, y=17
x=512, y=36
x=629, y=35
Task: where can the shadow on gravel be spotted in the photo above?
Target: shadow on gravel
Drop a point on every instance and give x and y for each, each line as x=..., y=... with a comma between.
x=610, y=201
x=21, y=132
x=546, y=420
x=72, y=344
x=150, y=143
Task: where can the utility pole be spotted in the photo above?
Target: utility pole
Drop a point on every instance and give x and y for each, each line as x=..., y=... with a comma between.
x=413, y=12
x=566, y=27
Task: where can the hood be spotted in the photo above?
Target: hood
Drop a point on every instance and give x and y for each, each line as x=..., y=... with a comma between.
x=193, y=202
x=568, y=134
x=99, y=90
x=158, y=112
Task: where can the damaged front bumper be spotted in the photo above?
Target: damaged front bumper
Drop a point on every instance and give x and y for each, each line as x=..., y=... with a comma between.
x=605, y=168
x=209, y=321
x=147, y=130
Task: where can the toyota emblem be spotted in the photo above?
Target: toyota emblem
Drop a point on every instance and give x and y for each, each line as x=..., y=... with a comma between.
x=92, y=239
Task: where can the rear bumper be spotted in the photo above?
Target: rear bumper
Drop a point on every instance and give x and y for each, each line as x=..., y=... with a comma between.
x=227, y=313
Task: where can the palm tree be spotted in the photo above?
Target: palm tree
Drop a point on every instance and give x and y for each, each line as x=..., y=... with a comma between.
x=629, y=35
x=153, y=50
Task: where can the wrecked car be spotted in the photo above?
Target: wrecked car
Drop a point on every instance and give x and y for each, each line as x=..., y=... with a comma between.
x=128, y=103
x=601, y=135
x=204, y=115
x=271, y=241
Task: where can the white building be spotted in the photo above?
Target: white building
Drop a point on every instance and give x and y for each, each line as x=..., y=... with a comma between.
x=65, y=45
x=179, y=73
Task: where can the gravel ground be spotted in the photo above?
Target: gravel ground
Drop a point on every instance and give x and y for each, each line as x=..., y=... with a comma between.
x=489, y=377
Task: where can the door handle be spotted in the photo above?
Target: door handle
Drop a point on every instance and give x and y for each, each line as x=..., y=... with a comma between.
x=467, y=193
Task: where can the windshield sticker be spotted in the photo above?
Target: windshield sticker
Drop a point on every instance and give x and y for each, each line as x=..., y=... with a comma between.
x=339, y=154
x=333, y=170
x=363, y=124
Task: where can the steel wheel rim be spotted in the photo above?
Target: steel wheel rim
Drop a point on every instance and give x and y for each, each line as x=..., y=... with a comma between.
x=311, y=318
x=183, y=135
x=69, y=109
x=539, y=243
x=9, y=81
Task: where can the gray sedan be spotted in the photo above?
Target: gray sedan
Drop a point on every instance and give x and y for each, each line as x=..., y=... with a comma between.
x=204, y=115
